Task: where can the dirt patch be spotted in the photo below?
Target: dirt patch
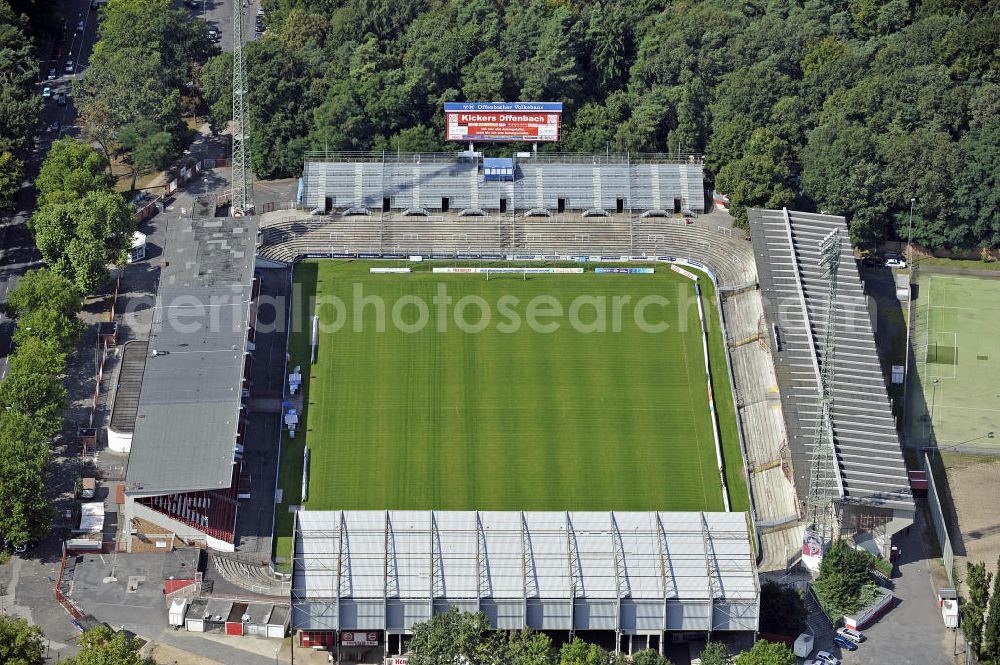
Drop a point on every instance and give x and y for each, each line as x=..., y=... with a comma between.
x=975, y=485
x=168, y=655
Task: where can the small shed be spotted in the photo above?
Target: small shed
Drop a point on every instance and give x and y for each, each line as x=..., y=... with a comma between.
x=178, y=608
x=918, y=483
x=948, y=601
x=182, y=568
x=195, y=618
x=277, y=623
x=137, y=252
x=237, y=617
x=216, y=615
x=92, y=517
x=257, y=616
x=902, y=287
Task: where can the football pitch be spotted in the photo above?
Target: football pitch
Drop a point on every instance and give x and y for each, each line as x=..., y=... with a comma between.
x=952, y=396
x=517, y=392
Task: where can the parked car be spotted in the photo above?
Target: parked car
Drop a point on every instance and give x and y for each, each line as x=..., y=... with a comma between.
x=61, y=99
x=895, y=263
x=845, y=643
x=79, y=27
x=827, y=658
x=53, y=73
x=855, y=636
x=193, y=4
x=213, y=34
x=47, y=92
x=54, y=127
x=70, y=66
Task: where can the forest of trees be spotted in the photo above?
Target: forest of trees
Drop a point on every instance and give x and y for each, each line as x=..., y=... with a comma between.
x=853, y=107
x=20, y=106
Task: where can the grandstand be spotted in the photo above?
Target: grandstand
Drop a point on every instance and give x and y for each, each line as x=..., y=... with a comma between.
x=186, y=449
x=871, y=490
x=539, y=184
x=289, y=235
x=639, y=577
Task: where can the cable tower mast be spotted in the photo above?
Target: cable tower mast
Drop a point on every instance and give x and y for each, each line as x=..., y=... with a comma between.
x=823, y=476
x=242, y=177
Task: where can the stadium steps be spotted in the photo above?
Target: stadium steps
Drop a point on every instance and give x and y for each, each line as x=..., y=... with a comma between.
x=289, y=234
x=255, y=578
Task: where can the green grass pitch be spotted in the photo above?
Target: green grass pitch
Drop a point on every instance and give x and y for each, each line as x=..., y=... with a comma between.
x=499, y=420
x=952, y=394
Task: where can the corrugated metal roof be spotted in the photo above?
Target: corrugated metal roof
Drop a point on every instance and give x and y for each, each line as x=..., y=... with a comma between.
x=545, y=562
x=580, y=182
x=869, y=459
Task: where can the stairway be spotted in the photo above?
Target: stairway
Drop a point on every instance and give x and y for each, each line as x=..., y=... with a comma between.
x=255, y=578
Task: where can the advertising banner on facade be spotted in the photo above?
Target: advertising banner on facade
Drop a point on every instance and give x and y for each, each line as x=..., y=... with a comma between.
x=358, y=639
x=529, y=271
x=535, y=122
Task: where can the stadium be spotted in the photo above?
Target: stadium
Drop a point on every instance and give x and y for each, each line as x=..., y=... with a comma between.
x=626, y=484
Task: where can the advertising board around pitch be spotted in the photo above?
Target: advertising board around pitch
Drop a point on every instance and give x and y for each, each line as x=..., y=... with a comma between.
x=503, y=121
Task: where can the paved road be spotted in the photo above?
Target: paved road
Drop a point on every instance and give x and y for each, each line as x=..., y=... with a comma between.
x=26, y=583
x=912, y=633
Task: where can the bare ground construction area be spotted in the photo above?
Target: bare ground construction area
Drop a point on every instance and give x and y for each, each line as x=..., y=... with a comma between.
x=974, y=482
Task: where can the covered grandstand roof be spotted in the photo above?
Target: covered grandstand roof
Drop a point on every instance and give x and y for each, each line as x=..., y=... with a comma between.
x=869, y=460
x=419, y=182
x=189, y=403
x=633, y=571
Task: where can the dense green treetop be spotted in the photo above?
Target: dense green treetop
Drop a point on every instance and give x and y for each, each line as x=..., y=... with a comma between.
x=102, y=646
x=20, y=642
x=766, y=653
x=874, y=102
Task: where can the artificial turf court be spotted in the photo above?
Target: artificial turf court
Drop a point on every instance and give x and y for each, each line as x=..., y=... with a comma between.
x=952, y=395
x=500, y=420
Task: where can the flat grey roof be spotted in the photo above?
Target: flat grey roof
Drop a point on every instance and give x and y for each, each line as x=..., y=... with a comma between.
x=385, y=570
x=869, y=458
x=189, y=405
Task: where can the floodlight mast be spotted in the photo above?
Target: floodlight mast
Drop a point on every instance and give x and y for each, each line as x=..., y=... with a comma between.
x=242, y=201
x=823, y=484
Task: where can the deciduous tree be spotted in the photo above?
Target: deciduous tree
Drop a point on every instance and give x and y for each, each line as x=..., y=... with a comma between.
x=715, y=653
x=450, y=637
x=103, y=646
x=71, y=169
x=21, y=643
x=766, y=653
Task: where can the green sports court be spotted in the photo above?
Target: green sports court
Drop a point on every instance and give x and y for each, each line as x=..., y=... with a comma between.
x=954, y=395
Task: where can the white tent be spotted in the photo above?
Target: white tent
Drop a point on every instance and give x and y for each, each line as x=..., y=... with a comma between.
x=177, y=610
x=92, y=517
x=138, y=250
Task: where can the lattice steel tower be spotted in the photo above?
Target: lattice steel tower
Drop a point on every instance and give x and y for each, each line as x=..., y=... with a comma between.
x=823, y=485
x=242, y=177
